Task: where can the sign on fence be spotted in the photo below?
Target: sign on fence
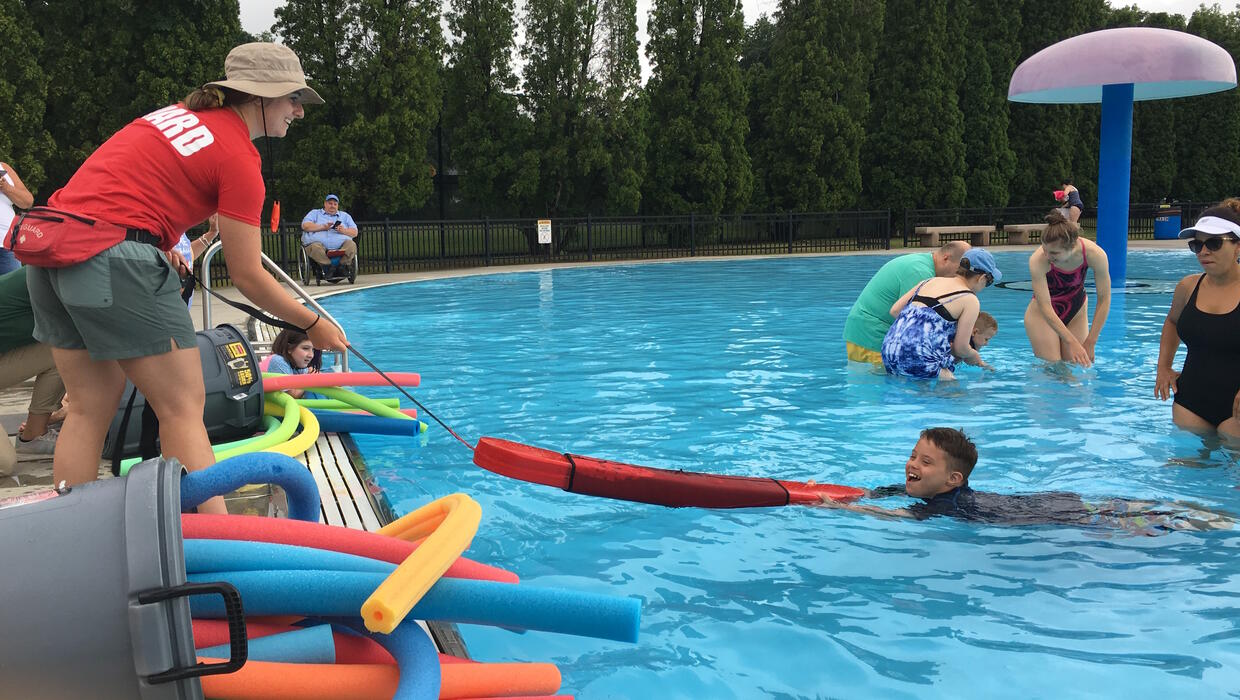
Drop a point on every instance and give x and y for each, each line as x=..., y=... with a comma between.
x=544, y=231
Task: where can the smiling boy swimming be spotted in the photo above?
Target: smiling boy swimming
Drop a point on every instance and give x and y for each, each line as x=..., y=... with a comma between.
x=937, y=473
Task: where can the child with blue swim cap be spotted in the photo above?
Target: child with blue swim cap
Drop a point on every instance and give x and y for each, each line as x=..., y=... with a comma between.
x=935, y=321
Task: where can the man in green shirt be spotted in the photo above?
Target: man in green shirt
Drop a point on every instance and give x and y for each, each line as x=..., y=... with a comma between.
x=21, y=358
x=870, y=316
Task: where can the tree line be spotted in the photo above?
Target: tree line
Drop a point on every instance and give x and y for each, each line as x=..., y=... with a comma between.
x=826, y=105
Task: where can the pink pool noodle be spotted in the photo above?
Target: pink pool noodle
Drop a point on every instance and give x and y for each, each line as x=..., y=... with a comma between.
x=319, y=536
x=321, y=379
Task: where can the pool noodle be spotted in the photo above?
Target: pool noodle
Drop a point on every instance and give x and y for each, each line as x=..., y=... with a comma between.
x=350, y=648
x=363, y=402
x=255, y=468
x=336, y=405
x=320, y=536
x=341, y=594
x=205, y=556
x=264, y=680
x=302, y=441
x=306, y=645
x=338, y=422
x=280, y=382
x=446, y=527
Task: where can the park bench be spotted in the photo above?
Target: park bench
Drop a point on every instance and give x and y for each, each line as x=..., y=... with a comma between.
x=1018, y=234
x=930, y=235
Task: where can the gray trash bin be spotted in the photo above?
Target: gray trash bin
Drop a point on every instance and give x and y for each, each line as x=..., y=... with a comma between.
x=93, y=584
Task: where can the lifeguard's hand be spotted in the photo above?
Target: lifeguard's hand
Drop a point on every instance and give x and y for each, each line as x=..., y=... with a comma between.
x=1164, y=384
x=327, y=336
x=177, y=261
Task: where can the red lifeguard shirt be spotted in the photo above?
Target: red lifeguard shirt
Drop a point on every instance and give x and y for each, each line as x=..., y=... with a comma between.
x=168, y=171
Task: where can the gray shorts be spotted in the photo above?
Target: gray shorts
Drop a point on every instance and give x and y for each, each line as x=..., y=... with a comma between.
x=124, y=302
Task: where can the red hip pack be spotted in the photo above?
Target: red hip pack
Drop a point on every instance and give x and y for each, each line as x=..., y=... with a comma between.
x=46, y=237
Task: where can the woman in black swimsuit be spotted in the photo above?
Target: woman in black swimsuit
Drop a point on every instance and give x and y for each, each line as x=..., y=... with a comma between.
x=1205, y=315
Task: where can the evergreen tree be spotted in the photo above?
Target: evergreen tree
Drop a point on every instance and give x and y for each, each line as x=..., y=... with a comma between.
x=624, y=111
x=480, y=105
x=991, y=49
x=698, y=161
x=914, y=153
x=820, y=66
x=24, y=142
x=1208, y=126
x=760, y=86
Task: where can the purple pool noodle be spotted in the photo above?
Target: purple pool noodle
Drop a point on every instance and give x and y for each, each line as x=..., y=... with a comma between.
x=341, y=593
x=255, y=468
x=337, y=422
x=204, y=556
x=312, y=645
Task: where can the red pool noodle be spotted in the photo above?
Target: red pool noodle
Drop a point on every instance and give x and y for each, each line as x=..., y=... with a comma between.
x=254, y=528
x=266, y=680
x=338, y=379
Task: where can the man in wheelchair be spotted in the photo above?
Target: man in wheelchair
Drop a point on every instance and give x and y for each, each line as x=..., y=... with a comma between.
x=327, y=237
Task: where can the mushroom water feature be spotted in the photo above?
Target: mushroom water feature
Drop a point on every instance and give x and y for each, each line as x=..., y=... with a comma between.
x=1117, y=67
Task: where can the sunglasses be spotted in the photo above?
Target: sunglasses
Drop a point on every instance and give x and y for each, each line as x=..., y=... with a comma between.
x=1210, y=244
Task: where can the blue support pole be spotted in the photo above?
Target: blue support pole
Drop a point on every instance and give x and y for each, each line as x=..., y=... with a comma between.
x=1114, y=178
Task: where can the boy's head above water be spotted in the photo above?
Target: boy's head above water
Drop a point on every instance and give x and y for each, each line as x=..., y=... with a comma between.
x=941, y=461
x=983, y=330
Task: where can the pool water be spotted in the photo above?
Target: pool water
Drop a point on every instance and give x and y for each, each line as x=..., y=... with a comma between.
x=738, y=367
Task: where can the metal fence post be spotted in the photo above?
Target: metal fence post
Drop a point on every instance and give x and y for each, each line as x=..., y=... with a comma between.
x=589, y=242
x=387, y=245
x=443, y=241
x=788, y=221
x=486, y=240
x=887, y=230
x=692, y=235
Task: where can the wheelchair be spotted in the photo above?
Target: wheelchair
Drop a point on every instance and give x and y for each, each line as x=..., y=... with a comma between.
x=308, y=269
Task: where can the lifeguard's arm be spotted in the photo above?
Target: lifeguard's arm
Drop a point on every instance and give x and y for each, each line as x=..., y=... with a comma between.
x=903, y=301
x=242, y=254
x=16, y=192
x=1169, y=341
x=1097, y=258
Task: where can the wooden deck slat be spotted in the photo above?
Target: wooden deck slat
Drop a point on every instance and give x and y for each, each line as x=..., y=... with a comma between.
x=339, y=490
x=358, y=494
x=330, y=507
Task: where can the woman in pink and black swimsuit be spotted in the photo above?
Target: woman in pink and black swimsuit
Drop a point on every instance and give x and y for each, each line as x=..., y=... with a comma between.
x=1056, y=320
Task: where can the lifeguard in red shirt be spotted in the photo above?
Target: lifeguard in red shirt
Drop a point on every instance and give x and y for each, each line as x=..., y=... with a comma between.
x=119, y=314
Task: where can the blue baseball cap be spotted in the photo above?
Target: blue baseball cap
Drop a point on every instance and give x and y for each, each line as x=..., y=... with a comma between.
x=331, y=196
x=982, y=261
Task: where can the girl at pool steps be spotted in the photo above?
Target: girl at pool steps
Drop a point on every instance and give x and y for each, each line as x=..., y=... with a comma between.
x=1055, y=319
x=937, y=474
x=292, y=352
x=935, y=321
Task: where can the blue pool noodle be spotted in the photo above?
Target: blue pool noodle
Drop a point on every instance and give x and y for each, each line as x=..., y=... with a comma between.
x=205, y=556
x=415, y=655
x=338, y=422
x=318, y=593
x=255, y=468
x=312, y=645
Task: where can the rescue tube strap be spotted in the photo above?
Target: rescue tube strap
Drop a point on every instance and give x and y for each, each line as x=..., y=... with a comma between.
x=572, y=471
x=787, y=495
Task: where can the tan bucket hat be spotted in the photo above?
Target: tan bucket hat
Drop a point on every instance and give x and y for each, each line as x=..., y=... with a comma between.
x=266, y=70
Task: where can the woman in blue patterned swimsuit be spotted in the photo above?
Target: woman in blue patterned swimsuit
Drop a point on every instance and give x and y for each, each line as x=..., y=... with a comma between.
x=934, y=321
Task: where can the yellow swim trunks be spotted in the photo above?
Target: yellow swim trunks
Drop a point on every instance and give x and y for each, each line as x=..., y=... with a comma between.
x=856, y=353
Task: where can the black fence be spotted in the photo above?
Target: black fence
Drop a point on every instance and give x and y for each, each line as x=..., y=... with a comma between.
x=410, y=246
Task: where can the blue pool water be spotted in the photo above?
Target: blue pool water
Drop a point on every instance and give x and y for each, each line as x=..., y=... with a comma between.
x=737, y=367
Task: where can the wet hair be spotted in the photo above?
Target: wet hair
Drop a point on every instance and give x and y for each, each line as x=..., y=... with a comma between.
x=1067, y=181
x=287, y=340
x=959, y=448
x=985, y=322
x=209, y=98
x=1232, y=203
x=1059, y=229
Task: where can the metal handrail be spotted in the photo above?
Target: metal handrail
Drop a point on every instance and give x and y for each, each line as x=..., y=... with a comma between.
x=280, y=275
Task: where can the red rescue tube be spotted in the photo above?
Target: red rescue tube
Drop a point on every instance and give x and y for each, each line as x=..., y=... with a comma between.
x=319, y=536
x=319, y=379
x=663, y=487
